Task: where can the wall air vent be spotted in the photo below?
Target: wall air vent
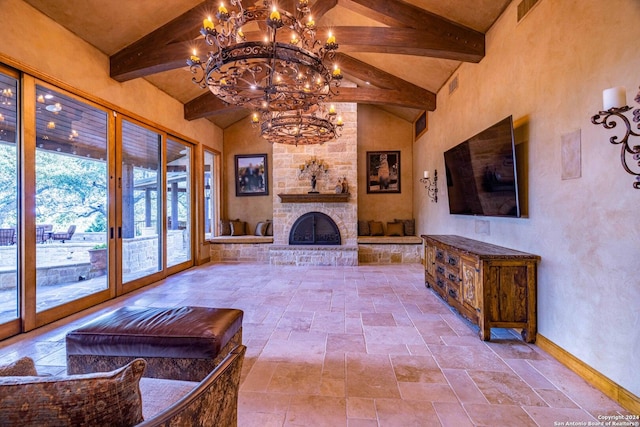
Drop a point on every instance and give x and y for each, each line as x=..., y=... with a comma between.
x=524, y=7
x=453, y=85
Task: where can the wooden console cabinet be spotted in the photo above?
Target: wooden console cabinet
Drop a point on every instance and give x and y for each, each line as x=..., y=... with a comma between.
x=490, y=285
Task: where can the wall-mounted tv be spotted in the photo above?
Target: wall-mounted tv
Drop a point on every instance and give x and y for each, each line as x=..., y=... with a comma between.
x=481, y=173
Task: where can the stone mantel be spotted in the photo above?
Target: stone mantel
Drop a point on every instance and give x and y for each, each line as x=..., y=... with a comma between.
x=315, y=198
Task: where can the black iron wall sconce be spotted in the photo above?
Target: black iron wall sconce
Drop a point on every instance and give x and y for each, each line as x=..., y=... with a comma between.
x=614, y=107
x=431, y=185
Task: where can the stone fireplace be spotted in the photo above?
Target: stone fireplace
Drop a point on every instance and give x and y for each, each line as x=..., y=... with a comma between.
x=341, y=156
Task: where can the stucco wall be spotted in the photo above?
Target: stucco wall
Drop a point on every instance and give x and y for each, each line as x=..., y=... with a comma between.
x=242, y=138
x=548, y=71
x=379, y=130
x=33, y=41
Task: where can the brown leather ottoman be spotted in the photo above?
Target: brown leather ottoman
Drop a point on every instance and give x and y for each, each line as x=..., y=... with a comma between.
x=184, y=343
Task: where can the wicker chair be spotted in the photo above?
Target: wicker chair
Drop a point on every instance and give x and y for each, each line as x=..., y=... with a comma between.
x=64, y=236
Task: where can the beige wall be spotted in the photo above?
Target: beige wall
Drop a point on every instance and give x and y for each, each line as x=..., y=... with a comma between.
x=379, y=130
x=242, y=138
x=548, y=71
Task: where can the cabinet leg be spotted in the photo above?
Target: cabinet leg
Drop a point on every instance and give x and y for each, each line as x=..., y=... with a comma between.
x=528, y=335
x=484, y=333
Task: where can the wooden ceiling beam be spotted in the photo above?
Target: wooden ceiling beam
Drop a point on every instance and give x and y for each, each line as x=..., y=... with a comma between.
x=319, y=8
x=372, y=95
x=207, y=105
x=159, y=57
x=407, y=41
x=397, y=13
x=183, y=28
x=167, y=47
x=384, y=80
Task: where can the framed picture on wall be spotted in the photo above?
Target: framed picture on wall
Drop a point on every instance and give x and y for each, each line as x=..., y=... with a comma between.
x=251, y=175
x=383, y=172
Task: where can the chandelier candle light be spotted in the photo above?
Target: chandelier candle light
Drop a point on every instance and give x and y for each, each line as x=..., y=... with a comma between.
x=284, y=83
x=313, y=168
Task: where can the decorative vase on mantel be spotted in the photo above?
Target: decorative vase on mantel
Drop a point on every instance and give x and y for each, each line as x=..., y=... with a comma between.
x=345, y=185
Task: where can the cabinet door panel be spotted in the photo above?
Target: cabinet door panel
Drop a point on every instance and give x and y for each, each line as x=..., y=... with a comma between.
x=508, y=293
x=470, y=282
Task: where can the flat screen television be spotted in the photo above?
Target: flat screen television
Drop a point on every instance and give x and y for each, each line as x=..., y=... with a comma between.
x=481, y=173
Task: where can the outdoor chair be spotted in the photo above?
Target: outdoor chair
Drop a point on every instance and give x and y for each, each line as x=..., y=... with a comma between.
x=40, y=235
x=64, y=235
x=7, y=236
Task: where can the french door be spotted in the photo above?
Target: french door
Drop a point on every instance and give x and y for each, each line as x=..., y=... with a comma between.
x=9, y=200
x=93, y=204
x=155, y=218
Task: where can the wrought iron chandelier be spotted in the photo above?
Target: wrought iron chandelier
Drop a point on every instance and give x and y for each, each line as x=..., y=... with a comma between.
x=298, y=127
x=285, y=83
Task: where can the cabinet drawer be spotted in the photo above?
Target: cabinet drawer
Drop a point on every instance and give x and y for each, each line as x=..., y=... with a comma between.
x=441, y=270
x=453, y=284
x=451, y=259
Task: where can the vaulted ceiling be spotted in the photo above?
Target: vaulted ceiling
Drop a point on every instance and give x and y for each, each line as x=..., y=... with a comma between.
x=399, y=53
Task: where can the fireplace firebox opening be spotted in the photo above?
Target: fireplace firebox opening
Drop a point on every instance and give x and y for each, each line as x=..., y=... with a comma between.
x=314, y=228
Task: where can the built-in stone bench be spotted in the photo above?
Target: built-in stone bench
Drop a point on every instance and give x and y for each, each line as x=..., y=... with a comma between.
x=389, y=249
x=240, y=248
x=370, y=250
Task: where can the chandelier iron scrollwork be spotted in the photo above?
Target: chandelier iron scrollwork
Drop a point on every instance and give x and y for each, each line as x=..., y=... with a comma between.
x=266, y=74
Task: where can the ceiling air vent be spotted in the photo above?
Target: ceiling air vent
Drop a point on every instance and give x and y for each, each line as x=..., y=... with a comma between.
x=524, y=7
x=453, y=85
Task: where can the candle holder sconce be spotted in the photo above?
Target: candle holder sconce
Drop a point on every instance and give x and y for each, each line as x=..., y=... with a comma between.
x=609, y=119
x=313, y=168
x=431, y=185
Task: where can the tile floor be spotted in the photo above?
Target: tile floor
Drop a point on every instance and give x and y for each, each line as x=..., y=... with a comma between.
x=358, y=346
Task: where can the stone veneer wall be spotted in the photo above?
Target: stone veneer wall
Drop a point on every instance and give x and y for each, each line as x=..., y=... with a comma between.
x=342, y=158
x=389, y=254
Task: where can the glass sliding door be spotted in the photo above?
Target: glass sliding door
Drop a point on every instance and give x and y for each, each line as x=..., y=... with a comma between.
x=179, y=202
x=71, y=192
x=141, y=202
x=9, y=294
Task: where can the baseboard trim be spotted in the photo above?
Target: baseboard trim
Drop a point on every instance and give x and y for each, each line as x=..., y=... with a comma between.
x=624, y=397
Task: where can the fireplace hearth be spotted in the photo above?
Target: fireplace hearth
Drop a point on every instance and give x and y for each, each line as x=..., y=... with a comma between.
x=314, y=228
